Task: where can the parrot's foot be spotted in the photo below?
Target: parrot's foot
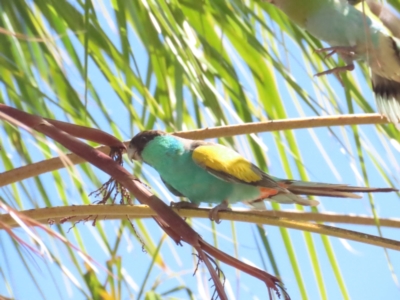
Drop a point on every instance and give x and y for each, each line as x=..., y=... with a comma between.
x=346, y=52
x=336, y=71
x=213, y=215
x=183, y=204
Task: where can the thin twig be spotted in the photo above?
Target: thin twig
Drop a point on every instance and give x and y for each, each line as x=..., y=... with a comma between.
x=284, y=124
x=73, y=213
x=294, y=220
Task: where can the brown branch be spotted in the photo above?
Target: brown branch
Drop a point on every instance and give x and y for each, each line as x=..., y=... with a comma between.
x=219, y=288
x=169, y=220
x=271, y=281
x=87, y=133
x=56, y=163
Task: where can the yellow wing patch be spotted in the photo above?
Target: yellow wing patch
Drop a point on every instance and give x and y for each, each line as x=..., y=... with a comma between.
x=222, y=159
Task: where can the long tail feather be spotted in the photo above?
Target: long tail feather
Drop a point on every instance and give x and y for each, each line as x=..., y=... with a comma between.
x=387, y=97
x=294, y=188
x=329, y=190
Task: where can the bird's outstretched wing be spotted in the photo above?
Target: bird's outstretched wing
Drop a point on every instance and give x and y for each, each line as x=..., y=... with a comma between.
x=230, y=166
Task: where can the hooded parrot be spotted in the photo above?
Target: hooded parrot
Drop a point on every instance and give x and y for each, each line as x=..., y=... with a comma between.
x=353, y=35
x=212, y=173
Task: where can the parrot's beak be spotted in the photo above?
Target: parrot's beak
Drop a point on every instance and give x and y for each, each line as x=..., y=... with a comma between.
x=133, y=153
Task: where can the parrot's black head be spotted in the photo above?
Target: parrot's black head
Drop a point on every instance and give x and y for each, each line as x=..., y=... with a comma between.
x=139, y=142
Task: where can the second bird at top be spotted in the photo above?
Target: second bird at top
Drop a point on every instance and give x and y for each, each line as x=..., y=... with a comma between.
x=355, y=36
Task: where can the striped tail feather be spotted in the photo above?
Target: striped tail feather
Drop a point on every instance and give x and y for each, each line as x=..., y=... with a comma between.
x=293, y=188
x=387, y=97
x=329, y=190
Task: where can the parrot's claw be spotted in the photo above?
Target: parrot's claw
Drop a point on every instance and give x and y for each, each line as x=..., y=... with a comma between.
x=336, y=71
x=223, y=206
x=346, y=51
x=183, y=204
